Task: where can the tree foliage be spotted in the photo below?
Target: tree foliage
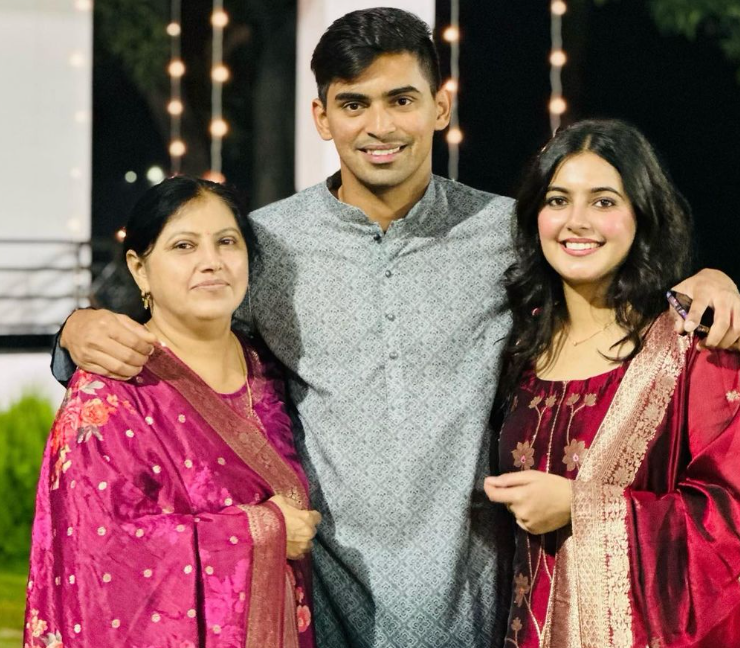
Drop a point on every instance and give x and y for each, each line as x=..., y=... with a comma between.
x=134, y=32
x=717, y=19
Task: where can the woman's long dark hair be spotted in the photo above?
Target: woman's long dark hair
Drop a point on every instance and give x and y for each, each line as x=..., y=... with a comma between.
x=659, y=257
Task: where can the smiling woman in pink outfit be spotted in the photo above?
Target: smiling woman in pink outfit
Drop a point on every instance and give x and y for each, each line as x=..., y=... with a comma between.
x=172, y=510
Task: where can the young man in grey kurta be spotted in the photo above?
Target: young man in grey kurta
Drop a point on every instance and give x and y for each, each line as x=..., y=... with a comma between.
x=391, y=341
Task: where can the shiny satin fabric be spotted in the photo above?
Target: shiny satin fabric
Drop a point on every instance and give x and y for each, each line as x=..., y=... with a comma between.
x=652, y=555
x=152, y=523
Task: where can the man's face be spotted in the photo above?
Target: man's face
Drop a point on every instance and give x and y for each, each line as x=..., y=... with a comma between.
x=382, y=123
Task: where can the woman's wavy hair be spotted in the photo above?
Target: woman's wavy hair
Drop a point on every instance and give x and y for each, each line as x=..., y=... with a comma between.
x=660, y=255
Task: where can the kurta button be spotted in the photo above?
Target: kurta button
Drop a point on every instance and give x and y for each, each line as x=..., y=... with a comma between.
x=390, y=317
x=377, y=237
x=393, y=355
x=388, y=273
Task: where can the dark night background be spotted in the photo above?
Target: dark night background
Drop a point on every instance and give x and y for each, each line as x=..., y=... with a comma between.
x=684, y=95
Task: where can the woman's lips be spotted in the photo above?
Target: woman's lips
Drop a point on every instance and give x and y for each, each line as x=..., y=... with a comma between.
x=581, y=247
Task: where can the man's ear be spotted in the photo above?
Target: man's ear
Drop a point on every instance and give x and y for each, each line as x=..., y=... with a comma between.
x=321, y=119
x=443, y=105
x=137, y=268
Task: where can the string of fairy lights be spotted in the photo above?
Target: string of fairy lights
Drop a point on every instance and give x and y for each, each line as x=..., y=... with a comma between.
x=557, y=105
x=454, y=135
x=176, y=70
x=220, y=74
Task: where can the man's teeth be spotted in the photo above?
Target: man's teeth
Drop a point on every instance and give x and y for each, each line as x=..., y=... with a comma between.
x=572, y=245
x=382, y=152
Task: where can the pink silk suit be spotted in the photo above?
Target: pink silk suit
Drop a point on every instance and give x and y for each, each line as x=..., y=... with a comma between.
x=152, y=523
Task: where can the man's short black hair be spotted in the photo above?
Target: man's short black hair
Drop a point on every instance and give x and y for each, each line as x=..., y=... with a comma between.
x=355, y=40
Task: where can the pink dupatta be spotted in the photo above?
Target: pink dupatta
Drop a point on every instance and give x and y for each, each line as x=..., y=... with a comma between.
x=152, y=523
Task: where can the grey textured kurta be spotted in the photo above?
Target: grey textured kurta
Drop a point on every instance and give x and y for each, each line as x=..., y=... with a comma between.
x=392, y=344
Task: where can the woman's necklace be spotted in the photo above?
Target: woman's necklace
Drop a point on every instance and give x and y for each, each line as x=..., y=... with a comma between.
x=576, y=343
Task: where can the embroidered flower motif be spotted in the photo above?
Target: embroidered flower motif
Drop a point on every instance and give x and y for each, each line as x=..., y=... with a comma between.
x=589, y=400
x=575, y=452
x=38, y=626
x=535, y=402
x=733, y=396
x=521, y=588
x=572, y=400
x=95, y=412
x=66, y=425
x=523, y=455
x=621, y=477
x=299, y=594
x=516, y=624
x=53, y=640
x=550, y=401
x=303, y=615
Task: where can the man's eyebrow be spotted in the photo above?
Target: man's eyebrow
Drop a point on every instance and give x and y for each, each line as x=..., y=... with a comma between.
x=404, y=90
x=350, y=96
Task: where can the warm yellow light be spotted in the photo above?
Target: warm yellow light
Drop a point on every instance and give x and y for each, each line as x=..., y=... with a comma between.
x=451, y=85
x=454, y=136
x=220, y=74
x=558, y=7
x=77, y=59
x=176, y=68
x=451, y=34
x=121, y=235
x=82, y=116
x=220, y=18
x=83, y=5
x=558, y=58
x=174, y=29
x=219, y=128
x=175, y=107
x=177, y=148
x=214, y=176
x=558, y=106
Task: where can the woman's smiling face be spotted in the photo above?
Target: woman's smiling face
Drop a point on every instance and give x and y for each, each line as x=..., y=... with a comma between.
x=587, y=224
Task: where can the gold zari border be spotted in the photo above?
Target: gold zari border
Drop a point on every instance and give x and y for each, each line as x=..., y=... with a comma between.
x=592, y=570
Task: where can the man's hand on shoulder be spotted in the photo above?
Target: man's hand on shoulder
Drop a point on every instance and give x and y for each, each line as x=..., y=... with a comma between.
x=713, y=289
x=107, y=343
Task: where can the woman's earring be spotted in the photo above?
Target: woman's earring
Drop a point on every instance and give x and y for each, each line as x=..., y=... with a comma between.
x=146, y=299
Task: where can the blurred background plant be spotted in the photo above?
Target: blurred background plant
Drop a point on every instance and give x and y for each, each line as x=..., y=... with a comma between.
x=24, y=427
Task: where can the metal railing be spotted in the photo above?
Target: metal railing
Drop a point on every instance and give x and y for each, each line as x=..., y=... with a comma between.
x=41, y=282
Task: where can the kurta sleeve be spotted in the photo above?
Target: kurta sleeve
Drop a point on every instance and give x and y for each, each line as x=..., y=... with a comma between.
x=119, y=558
x=683, y=530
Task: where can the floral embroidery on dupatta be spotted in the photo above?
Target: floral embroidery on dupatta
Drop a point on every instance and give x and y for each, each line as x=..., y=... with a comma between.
x=38, y=628
x=733, y=396
x=79, y=419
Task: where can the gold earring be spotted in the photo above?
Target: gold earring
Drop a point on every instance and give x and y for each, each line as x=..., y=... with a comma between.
x=146, y=299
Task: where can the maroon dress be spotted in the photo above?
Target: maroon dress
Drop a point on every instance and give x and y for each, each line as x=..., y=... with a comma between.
x=651, y=557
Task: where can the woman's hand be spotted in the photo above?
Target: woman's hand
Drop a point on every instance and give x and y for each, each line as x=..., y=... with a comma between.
x=540, y=502
x=300, y=526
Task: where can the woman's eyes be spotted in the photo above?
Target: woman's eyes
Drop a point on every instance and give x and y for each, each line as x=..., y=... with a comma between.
x=556, y=201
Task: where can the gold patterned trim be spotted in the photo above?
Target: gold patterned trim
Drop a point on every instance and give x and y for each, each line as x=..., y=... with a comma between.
x=598, y=557
x=265, y=622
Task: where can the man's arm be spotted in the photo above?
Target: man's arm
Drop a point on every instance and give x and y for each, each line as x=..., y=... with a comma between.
x=713, y=289
x=103, y=343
